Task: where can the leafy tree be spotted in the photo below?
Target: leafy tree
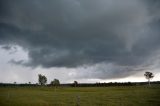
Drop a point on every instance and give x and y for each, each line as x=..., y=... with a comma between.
x=55, y=82
x=75, y=83
x=148, y=76
x=42, y=79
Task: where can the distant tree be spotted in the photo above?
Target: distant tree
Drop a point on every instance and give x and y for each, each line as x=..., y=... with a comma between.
x=75, y=83
x=15, y=82
x=42, y=79
x=29, y=82
x=148, y=76
x=55, y=82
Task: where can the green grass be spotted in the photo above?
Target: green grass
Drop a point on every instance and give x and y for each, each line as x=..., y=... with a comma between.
x=84, y=96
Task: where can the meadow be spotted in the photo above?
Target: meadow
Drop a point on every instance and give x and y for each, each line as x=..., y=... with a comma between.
x=81, y=96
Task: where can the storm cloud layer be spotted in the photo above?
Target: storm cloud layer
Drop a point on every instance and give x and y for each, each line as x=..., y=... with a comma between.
x=113, y=36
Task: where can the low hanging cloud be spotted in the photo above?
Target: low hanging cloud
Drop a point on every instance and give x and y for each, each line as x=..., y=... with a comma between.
x=123, y=34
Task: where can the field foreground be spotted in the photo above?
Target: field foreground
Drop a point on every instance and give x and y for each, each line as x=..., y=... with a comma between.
x=80, y=96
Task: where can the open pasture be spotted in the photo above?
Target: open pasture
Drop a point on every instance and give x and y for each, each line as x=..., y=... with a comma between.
x=80, y=96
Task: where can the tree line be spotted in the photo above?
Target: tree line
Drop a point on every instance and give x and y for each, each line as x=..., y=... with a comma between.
x=42, y=81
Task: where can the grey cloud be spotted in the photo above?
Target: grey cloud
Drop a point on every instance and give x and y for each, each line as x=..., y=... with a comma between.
x=6, y=47
x=74, y=33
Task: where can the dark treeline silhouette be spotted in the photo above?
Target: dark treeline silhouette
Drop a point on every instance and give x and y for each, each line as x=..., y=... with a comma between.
x=108, y=84
x=13, y=84
x=81, y=84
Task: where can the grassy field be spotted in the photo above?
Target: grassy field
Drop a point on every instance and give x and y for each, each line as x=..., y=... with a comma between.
x=81, y=96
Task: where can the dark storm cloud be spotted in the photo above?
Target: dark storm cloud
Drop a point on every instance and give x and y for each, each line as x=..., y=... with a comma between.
x=73, y=33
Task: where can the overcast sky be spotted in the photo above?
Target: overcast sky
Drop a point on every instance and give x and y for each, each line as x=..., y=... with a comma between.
x=83, y=40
